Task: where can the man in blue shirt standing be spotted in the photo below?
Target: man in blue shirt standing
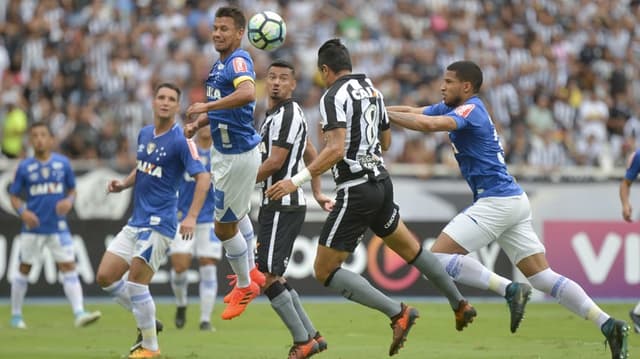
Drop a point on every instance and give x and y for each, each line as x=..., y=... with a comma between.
x=47, y=182
x=235, y=157
x=163, y=156
x=500, y=211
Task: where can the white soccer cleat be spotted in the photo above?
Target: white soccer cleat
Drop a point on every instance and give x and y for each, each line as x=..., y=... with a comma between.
x=83, y=319
x=17, y=322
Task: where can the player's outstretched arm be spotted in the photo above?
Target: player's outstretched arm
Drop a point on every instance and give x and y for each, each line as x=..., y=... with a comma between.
x=423, y=123
x=188, y=224
x=331, y=154
x=625, y=189
x=408, y=109
x=29, y=218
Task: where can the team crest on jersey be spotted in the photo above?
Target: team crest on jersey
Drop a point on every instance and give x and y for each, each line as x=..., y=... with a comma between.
x=239, y=65
x=44, y=171
x=464, y=110
x=150, y=147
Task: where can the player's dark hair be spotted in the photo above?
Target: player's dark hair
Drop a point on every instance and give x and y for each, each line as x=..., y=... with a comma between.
x=467, y=71
x=335, y=55
x=235, y=13
x=168, y=85
x=41, y=124
x=283, y=63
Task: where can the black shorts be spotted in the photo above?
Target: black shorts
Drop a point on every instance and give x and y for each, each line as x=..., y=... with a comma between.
x=367, y=205
x=276, y=234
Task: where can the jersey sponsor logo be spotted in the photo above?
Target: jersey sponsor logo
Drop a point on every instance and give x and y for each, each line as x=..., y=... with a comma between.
x=46, y=188
x=240, y=65
x=150, y=147
x=149, y=168
x=464, y=110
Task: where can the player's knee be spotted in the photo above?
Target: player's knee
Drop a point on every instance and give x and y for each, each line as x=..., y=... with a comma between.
x=180, y=267
x=321, y=272
x=25, y=268
x=104, y=278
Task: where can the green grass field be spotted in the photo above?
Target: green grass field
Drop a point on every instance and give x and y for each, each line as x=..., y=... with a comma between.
x=353, y=332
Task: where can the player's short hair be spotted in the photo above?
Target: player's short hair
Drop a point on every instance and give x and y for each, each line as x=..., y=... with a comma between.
x=467, y=71
x=283, y=63
x=235, y=13
x=168, y=85
x=41, y=124
x=335, y=55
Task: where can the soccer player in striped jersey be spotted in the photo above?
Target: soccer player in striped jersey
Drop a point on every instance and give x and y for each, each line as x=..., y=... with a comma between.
x=163, y=156
x=47, y=183
x=633, y=169
x=356, y=130
x=500, y=211
x=235, y=157
x=284, y=147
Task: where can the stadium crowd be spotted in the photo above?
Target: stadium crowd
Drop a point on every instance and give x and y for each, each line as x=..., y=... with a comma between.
x=561, y=77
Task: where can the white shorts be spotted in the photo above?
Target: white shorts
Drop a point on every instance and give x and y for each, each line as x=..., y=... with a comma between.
x=59, y=244
x=144, y=243
x=205, y=244
x=234, y=179
x=506, y=220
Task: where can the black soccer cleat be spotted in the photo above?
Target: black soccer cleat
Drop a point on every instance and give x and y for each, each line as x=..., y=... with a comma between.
x=616, y=332
x=138, y=342
x=181, y=317
x=517, y=296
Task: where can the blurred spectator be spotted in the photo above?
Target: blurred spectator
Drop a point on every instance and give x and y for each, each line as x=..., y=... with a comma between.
x=15, y=125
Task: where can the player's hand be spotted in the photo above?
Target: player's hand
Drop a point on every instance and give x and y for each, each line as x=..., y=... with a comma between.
x=196, y=108
x=30, y=219
x=115, y=186
x=63, y=206
x=190, y=129
x=325, y=202
x=626, y=213
x=280, y=189
x=187, y=226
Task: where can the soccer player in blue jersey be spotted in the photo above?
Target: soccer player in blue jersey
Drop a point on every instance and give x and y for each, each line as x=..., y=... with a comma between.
x=633, y=169
x=500, y=211
x=163, y=156
x=235, y=157
x=205, y=245
x=47, y=183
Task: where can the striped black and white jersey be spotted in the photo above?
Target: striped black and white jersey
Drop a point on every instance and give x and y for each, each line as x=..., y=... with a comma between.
x=285, y=126
x=353, y=103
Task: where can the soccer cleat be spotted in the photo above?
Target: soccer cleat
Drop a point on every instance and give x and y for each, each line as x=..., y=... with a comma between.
x=616, y=332
x=254, y=274
x=84, y=319
x=517, y=296
x=464, y=315
x=141, y=353
x=635, y=319
x=207, y=327
x=303, y=350
x=17, y=322
x=138, y=343
x=181, y=317
x=322, y=342
x=240, y=298
x=401, y=325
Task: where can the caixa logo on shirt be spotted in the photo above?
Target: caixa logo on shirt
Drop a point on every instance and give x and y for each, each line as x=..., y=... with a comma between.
x=46, y=188
x=149, y=168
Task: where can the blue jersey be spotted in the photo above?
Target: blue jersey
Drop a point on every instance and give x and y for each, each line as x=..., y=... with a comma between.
x=187, y=188
x=232, y=130
x=161, y=162
x=44, y=184
x=477, y=148
x=633, y=168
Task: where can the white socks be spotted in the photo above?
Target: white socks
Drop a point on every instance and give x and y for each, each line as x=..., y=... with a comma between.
x=636, y=310
x=208, y=291
x=466, y=270
x=236, y=252
x=246, y=228
x=73, y=291
x=179, y=285
x=569, y=294
x=120, y=293
x=144, y=310
x=18, y=292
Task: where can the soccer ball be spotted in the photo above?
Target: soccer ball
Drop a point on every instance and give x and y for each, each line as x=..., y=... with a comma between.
x=266, y=30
